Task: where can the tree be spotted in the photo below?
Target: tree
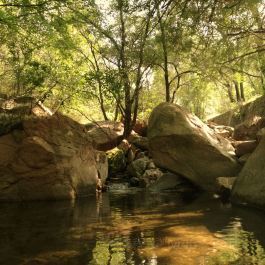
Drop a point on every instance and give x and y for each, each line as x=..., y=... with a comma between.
x=123, y=41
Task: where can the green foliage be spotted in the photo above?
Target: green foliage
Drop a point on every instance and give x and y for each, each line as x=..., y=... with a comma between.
x=72, y=53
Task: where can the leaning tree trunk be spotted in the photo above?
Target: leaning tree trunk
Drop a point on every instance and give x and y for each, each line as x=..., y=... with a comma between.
x=230, y=93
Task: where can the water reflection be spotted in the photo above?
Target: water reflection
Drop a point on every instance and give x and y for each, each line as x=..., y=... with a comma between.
x=140, y=228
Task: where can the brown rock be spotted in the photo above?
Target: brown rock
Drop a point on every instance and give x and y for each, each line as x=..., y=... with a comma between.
x=170, y=181
x=151, y=176
x=181, y=143
x=244, y=158
x=139, y=141
x=245, y=147
x=242, y=113
x=140, y=127
x=106, y=135
x=249, y=129
x=250, y=186
x=222, y=130
x=124, y=146
x=49, y=159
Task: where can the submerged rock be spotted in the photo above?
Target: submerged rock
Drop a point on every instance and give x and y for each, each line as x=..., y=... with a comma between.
x=181, y=143
x=49, y=159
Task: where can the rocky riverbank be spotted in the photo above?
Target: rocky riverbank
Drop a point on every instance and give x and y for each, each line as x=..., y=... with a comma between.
x=51, y=157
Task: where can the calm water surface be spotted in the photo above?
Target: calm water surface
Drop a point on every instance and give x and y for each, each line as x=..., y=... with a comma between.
x=138, y=228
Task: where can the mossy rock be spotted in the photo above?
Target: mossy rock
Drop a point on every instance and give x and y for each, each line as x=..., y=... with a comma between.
x=117, y=161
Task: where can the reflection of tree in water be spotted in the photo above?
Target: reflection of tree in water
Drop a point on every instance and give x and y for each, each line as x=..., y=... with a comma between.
x=248, y=249
x=136, y=242
x=123, y=249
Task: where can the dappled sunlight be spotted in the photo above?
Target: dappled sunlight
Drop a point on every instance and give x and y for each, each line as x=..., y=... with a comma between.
x=187, y=245
x=125, y=229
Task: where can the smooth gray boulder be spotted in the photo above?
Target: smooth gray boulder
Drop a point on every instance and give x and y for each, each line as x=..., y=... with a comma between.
x=183, y=144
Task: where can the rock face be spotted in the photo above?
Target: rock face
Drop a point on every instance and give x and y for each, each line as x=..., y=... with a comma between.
x=245, y=147
x=250, y=184
x=222, y=130
x=248, y=130
x=181, y=143
x=48, y=159
x=139, y=142
x=106, y=135
x=246, y=112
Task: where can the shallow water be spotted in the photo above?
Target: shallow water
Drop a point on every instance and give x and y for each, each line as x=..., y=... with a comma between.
x=136, y=228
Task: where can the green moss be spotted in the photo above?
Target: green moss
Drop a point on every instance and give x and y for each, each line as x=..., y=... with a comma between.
x=117, y=161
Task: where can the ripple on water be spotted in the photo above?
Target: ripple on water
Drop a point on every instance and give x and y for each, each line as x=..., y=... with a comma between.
x=135, y=228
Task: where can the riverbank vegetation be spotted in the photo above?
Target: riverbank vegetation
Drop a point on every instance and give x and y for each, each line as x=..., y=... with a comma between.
x=116, y=60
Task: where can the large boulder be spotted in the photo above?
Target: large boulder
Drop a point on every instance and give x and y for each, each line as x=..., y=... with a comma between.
x=48, y=159
x=250, y=184
x=183, y=144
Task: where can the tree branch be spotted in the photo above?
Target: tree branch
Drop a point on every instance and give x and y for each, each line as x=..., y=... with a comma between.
x=244, y=55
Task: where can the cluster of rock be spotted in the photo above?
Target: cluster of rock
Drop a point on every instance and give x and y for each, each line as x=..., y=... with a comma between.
x=47, y=157
x=179, y=149
x=248, y=139
x=131, y=162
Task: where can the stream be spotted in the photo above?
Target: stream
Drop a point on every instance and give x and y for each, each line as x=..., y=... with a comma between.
x=131, y=228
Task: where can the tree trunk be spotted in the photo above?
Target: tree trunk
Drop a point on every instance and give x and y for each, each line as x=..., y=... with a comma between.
x=237, y=91
x=263, y=84
x=101, y=98
x=124, y=77
x=116, y=113
x=165, y=53
x=242, y=94
x=230, y=93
